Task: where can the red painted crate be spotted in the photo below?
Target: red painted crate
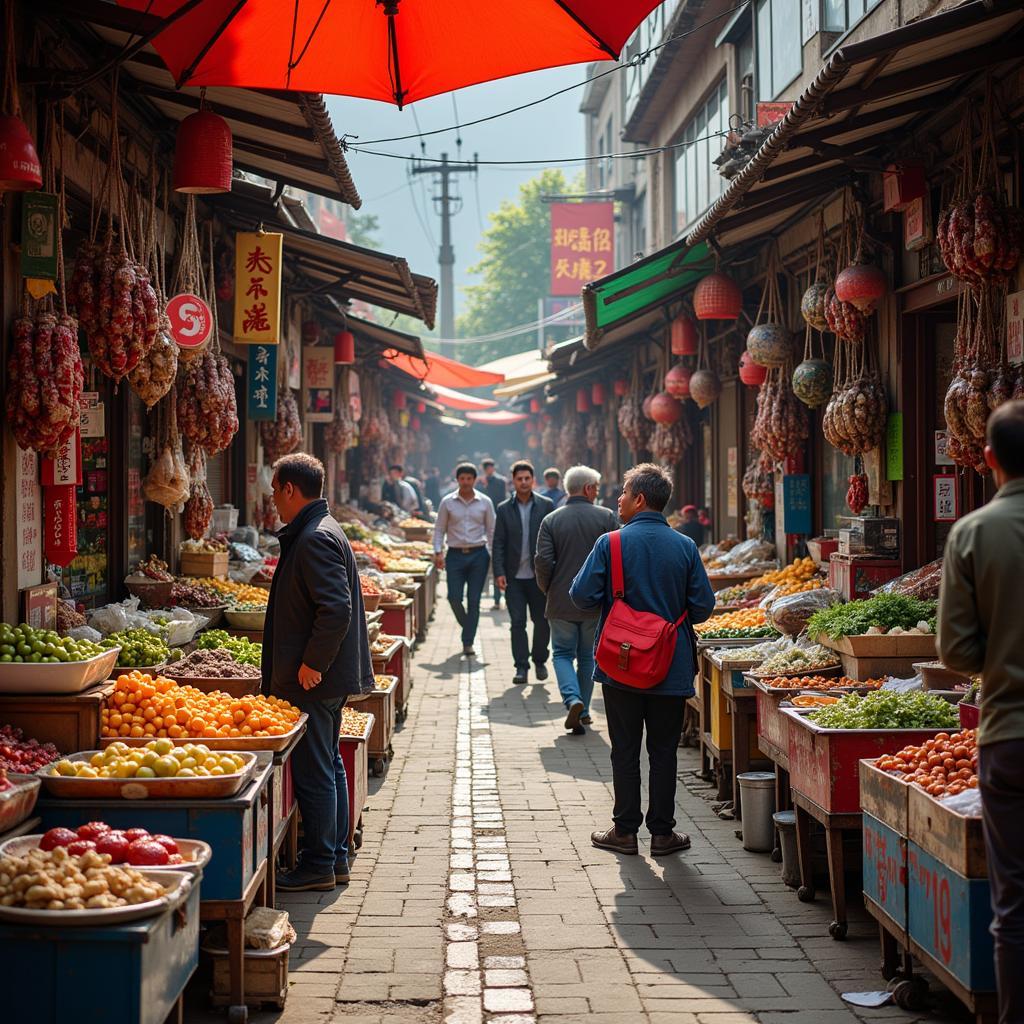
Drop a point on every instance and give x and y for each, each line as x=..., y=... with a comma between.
x=772, y=726
x=355, y=757
x=855, y=576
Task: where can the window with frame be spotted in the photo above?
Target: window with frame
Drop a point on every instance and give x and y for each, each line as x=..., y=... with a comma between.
x=840, y=15
x=779, y=52
x=697, y=182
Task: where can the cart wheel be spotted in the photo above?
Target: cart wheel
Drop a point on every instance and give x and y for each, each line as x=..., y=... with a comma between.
x=888, y=972
x=238, y=1014
x=776, y=856
x=357, y=839
x=378, y=766
x=911, y=994
x=391, y=751
x=837, y=929
x=805, y=894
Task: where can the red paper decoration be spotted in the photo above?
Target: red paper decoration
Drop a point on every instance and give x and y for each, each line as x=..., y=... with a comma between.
x=60, y=526
x=344, y=348
x=717, y=297
x=202, y=154
x=752, y=374
x=397, y=399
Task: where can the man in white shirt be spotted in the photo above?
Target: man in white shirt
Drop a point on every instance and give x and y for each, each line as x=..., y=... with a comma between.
x=466, y=518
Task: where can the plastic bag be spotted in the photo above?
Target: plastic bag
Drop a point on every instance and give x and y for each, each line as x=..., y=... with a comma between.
x=790, y=614
x=176, y=625
x=752, y=550
x=245, y=553
x=921, y=583
x=112, y=618
x=968, y=803
x=84, y=633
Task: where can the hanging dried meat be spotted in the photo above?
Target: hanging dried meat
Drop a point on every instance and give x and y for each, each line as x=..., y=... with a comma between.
x=595, y=433
x=199, y=507
x=759, y=480
x=780, y=426
x=670, y=441
x=571, y=440
x=855, y=416
x=284, y=433
x=341, y=433
x=857, y=493
x=207, y=411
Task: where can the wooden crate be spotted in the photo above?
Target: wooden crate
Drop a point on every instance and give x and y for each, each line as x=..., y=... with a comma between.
x=382, y=704
x=954, y=839
x=266, y=976
x=71, y=722
x=875, y=668
x=904, y=645
x=398, y=618
x=204, y=563
x=885, y=870
x=355, y=756
x=884, y=796
x=772, y=726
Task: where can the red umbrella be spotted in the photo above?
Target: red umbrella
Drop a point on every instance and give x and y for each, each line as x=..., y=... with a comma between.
x=394, y=50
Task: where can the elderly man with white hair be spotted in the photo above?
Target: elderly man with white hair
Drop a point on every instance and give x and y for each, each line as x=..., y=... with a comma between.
x=566, y=538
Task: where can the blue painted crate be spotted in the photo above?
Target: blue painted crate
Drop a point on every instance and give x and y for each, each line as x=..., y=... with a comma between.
x=128, y=974
x=229, y=826
x=885, y=869
x=948, y=919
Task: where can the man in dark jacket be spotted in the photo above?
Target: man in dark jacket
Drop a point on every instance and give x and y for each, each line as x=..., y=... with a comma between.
x=516, y=525
x=662, y=574
x=495, y=486
x=315, y=654
x=566, y=538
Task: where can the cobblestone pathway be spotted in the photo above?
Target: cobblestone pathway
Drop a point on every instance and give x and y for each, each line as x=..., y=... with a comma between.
x=478, y=897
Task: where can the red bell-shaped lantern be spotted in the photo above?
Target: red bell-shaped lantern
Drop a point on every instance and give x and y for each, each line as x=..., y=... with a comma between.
x=717, y=297
x=534, y=405
x=20, y=170
x=344, y=348
x=415, y=423
x=582, y=400
x=310, y=332
x=621, y=387
x=677, y=381
x=752, y=374
x=684, y=336
x=202, y=154
x=421, y=407
x=665, y=409
x=397, y=399
x=862, y=285
x=597, y=394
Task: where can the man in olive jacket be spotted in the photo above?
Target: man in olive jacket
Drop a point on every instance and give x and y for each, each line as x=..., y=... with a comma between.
x=316, y=654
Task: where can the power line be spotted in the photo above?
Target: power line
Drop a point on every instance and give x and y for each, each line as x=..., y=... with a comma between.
x=639, y=58
x=427, y=233
x=511, y=332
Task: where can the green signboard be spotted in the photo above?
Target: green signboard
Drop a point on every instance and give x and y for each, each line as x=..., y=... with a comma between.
x=39, y=235
x=894, y=446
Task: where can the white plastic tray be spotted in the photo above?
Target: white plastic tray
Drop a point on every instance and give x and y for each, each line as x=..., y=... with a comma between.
x=45, y=679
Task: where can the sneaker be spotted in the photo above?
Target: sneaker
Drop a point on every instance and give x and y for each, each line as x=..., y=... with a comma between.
x=572, y=720
x=341, y=872
x=578, y=731
x=467, y=651
x=661, y=846
x=617, y=842
x=304, y=881
x=541, y=670
x=520, y=677
x=586, y=719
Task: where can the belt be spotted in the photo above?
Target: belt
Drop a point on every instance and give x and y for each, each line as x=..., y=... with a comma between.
x=467, y=551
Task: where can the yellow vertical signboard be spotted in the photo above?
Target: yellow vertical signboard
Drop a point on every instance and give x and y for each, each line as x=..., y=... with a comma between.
x=258, y=287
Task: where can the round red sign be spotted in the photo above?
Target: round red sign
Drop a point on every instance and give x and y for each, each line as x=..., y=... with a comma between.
x=191, y=320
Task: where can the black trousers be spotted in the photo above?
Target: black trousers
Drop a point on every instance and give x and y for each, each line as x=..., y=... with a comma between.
x=1002, y=794
x=629, y=712
x=522, y=596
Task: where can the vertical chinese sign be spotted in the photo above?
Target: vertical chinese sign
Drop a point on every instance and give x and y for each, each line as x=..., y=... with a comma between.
x=30, y=519
x=258, y=287
x=318, y=383
x=261, y=382
x=582, y=245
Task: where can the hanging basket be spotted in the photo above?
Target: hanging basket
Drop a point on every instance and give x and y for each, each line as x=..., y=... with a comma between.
x=769, y=344
x=684, y=336
x=705, y=387
x=812, y=382
x=20, y=169
x=677, y=381
x=751, y=373
x=665, y=408
x=202, y=154
x=812, y=306
x=717, y=297
x=862, y=285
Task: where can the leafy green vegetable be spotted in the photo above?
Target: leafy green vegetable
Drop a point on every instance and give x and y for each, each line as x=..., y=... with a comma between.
x=857, y=617
x=242, y=650
x=887, y=709
x=738, y=633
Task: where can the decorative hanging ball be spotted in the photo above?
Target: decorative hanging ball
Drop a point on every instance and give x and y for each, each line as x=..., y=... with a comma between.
x=677, y=381
x=534, y=405
x=684, y=336
x=415, y=423
x=621, y=387
x=752, y=374
x=645, y=407
x=665, y=408
x=812, y=382
x=344, y=348
x=769, y=344
x=397, y=399
x=717, y=297
x=582, y=400
x=202, y=154
x=862, y=285
x=705, y=387
x=812, y=306
x=310, y=332
x=597, y=393
x=20, y=170
x=421, y=407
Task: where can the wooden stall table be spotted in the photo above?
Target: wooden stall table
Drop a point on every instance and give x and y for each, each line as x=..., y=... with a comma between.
x=733, y=720
x=721, y=580
x=397, y=619
x=284, y=816
x=382, y=704
x=773, y=739
x=423, y=606
x=396, y=661
x=419, y=623
x=71, y=722
x=355, y=755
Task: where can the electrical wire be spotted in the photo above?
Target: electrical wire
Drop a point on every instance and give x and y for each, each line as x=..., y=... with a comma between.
x=427, y=233
x=552, y=319
x=638, y=59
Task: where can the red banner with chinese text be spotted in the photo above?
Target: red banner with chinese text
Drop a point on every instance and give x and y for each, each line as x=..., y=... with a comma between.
x=582, y=245
x=60, y=525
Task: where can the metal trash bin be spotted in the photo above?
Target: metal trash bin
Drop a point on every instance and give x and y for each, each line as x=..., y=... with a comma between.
x=757, y=798
x=785, y=822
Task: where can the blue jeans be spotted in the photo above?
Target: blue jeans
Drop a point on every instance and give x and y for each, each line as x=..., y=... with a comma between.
x=320, y=786
x=467, y=573
x=574, y=641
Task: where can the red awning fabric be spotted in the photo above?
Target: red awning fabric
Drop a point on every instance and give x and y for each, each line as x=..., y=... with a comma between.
x=498, y=418
x=449, y=373
x=457, y=400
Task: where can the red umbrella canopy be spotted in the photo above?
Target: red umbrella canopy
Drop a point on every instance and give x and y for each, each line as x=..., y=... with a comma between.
x=398, y=51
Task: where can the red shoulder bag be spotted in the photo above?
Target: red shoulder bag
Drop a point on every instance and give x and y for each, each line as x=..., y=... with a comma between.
x=635, y=648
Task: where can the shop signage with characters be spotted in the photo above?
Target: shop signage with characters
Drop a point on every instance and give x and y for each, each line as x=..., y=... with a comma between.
x=258, y=287
x=261, y=382
x=582, y=245
x=318, y=383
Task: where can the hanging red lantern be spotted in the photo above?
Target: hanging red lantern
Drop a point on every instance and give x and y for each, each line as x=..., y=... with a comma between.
x=344, y=348
x=645, y=407
x=621, y=387
x=415, y=423
x=397, y=399
x=677, y=381
x=862, y=285
x=582, y=400
x=202, y=154
x=310, y=332
x=752, y=374
x=20, y=170
x=717, y=297
x=534, y=405
x=665, y=409
x=597, y=395
x=684, y=336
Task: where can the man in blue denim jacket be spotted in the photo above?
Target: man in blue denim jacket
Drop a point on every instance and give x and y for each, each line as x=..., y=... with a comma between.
x=663, y=574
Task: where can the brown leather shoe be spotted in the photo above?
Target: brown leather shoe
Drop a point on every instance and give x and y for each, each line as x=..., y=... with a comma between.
x=616, y=841
x=661, y=846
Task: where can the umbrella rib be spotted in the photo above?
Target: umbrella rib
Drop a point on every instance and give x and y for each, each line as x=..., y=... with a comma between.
x=586, y=28
x=209, y=44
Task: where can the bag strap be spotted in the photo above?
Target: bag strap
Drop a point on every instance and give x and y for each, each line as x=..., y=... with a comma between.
x=618, y=583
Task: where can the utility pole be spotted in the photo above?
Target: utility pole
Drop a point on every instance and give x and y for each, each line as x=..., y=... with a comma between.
x=446, y=254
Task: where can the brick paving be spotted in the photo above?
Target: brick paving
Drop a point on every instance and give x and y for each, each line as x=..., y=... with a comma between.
x=478, y=897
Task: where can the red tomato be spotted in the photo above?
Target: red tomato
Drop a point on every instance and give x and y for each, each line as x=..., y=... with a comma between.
x=166, y=842
x=136, y=833
x=80, y=846
x=92, y=830
x=144, y=852
x=115, y=844
x=57, y=837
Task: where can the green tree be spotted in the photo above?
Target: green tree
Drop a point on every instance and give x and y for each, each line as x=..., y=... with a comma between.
x=362, y=228
x=514, y=268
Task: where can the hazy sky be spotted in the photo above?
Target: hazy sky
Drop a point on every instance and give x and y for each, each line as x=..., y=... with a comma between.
x=551, y=130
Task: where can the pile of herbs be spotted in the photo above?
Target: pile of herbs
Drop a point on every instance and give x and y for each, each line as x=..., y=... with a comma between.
x=887, y=709
x=884, y=610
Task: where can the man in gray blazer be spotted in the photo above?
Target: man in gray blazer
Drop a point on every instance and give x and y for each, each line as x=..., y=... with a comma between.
x=566, y=538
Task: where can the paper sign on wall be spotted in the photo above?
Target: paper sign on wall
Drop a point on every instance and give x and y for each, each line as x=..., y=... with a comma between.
x=261, y=382
x=1015, y=328
x=796, y=503
x=28, y=503
x=65, y=466
x=894, y=446
x=60, y=538
x=318, y=384
x=93, y=419
x=258, y=287
x=732, y=488
x=582, y=244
